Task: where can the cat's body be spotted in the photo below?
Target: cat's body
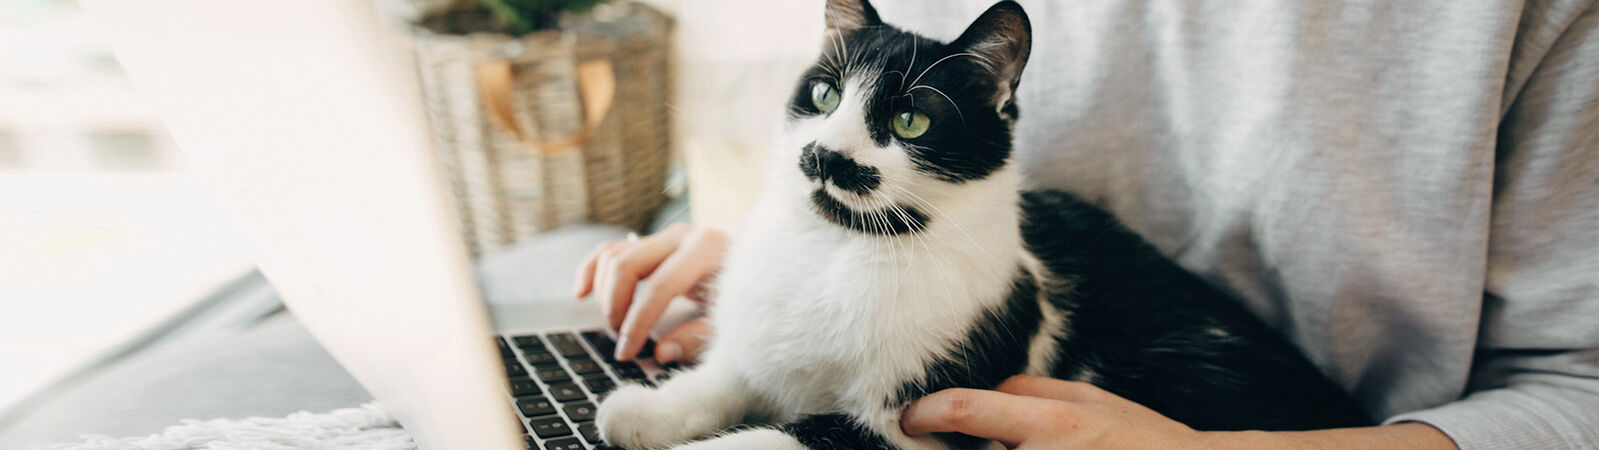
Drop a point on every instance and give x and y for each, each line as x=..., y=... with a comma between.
x=885, y=262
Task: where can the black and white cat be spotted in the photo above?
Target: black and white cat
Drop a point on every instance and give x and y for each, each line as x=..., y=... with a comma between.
x=892, y=255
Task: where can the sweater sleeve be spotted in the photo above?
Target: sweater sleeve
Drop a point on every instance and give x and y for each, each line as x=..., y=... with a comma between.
x=1535, y=381
x=1536, y=400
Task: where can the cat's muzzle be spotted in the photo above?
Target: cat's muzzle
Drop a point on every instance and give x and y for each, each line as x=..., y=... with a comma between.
x=824, y=165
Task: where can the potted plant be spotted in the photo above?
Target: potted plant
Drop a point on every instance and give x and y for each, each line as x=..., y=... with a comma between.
x=547, y=112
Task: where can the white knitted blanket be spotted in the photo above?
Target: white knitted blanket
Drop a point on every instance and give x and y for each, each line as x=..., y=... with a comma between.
x=366, y=427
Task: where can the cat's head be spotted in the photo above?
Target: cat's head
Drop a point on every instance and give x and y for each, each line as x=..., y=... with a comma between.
x=887, y=124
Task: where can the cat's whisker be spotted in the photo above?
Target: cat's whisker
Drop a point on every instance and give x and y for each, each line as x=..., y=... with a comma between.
x=894, y=250
x=946, y=98
x=958, y=227
x=901, y=76
x=986, y=64
x=838, y=36
x=910, y=65
x=844, y=49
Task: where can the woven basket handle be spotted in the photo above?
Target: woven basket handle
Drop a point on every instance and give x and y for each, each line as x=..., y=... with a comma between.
x=596, y=84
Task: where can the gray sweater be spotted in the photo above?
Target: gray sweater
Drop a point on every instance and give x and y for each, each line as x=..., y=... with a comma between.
x=1409, y=190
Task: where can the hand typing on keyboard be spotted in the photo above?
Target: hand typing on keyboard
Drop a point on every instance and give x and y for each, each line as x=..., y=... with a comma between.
x=635, y=279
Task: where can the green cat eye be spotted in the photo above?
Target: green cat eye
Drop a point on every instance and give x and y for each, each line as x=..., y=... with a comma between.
x=910, y=123
x=824, y=96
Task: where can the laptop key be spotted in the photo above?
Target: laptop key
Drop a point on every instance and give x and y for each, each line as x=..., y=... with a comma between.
x=522, y=386
x=536, y=358
x=564, y=444
x=567, y=344
x=550, y=427
x=585, y=366
x=515, y=369
x=532, y=444
x=629, y=370
x=599, y=384
x=579, y=412
x=530, y=341
x=566, y=392
x=601, y=342
x=590, y=433
x=552, y=373
x=535, y=406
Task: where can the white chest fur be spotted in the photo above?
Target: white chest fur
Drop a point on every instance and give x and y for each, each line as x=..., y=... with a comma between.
x=812, y=317
x=818, y=318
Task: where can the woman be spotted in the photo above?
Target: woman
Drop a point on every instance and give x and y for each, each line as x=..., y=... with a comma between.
x=1404, y=189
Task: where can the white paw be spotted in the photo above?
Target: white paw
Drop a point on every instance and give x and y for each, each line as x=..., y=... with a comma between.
x=636, y=417
x=761, y=438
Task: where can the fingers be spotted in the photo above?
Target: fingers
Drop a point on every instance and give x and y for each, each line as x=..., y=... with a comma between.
x=684, y=342
x=698, y=256
x=619, y=269
x=1009, y=419
x=1071, y=391
x=584, y=282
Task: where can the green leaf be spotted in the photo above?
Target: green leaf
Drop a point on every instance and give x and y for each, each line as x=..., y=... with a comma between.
x=523, y=16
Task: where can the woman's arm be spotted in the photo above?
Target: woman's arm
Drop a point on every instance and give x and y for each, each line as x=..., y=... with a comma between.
x=1408, y=435
x=1037, y=412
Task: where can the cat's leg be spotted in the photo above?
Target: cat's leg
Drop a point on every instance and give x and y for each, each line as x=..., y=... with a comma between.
x=691, y=405
x=831, y=432
x=762, y=438
x=818, y=432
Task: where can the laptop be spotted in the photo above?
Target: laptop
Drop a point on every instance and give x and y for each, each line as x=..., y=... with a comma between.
x=306, y=119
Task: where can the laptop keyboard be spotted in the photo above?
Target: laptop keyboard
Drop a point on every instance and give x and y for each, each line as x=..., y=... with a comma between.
x=558, y=378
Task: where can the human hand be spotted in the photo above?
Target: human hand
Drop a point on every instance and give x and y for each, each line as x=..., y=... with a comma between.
x=1037, y=412
x=677, y=261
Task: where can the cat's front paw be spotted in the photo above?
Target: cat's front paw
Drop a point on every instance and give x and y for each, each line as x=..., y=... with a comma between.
x=762, y=438
x=636, y=417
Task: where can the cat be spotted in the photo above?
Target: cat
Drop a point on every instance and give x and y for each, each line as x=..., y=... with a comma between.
x=892, y=254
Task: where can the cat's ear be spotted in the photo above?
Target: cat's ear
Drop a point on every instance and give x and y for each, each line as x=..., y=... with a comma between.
x=1001, y=38
x=846, y=16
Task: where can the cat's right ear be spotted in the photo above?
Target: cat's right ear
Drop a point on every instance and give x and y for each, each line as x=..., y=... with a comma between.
x=1002, y=38
x=846, y=16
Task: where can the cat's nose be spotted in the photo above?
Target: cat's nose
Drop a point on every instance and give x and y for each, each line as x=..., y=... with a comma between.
x=825, y=165
x=830, y=162
x=821, y=163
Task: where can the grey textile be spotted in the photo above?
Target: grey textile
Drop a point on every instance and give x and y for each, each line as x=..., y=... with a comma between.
x=271, y=369
x=1404, y=188
x=266, y=369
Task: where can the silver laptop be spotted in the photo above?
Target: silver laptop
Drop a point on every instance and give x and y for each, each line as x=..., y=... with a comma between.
x=305, y=118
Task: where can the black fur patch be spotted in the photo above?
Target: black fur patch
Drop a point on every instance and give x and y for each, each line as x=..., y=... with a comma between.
x=833, y=431
x=967, y=138
x=885, y=222
x=1149, y=331
x=819, y=163
x=995, y=348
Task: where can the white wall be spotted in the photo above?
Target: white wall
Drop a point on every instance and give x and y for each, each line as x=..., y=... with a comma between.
x=738, y=62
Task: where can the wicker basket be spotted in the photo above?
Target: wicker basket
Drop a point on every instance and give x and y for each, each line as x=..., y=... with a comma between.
x=552, y=128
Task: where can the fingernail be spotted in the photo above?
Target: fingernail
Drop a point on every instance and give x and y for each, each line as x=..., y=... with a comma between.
x=668, y=352
x=621, y=346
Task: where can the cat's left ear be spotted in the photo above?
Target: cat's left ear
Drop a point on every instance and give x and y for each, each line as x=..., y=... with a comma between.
x=846, y=16
x=1002, y=38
